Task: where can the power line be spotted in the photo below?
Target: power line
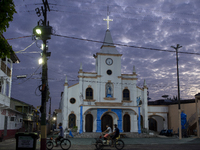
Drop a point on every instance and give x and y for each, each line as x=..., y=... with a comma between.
x=31, y=75
x=131, y=46
x=19, y=37
x=25, y=48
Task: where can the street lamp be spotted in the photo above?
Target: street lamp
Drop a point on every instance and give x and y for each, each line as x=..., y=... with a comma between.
x=42, y=32
x=38, y=31
x=40, y=61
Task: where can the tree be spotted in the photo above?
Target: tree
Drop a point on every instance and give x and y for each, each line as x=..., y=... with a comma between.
x=7, y=9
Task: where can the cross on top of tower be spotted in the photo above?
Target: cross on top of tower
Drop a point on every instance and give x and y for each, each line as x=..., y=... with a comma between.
x=108, y=18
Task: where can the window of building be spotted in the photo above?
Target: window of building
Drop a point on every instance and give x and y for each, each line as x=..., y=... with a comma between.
x=72, y=120
x=12, y=118
x=72, y=100
x=126, y=94
x=109, y=72
x=89, y=93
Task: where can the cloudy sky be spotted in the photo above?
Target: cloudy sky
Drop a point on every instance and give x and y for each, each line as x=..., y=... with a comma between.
x=156, y=24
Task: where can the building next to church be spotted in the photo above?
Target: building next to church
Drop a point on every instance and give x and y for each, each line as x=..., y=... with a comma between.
x=11, y=120
x=105, y=96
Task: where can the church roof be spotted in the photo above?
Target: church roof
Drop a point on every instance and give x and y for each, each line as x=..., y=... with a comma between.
x=108, y=46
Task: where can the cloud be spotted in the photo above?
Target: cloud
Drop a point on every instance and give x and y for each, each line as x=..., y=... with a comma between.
x=154, y=24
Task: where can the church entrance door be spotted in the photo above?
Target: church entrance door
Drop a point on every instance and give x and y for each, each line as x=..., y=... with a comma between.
x=106, y=120
x=88, y=123
x=126, y=123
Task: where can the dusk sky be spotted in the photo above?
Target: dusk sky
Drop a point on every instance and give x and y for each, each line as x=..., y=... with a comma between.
x=154, y=24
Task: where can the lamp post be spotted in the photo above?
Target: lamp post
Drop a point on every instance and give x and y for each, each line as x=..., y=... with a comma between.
x=43, y=32
x=179, y=106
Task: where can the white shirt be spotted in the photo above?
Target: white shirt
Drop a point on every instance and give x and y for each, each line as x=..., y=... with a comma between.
x=109, y=130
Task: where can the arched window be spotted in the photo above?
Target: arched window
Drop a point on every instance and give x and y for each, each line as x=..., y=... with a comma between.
x=126, y=94
x=72, y=120
x=89, y=93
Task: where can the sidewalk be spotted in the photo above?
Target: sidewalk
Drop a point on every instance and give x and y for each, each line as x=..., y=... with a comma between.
x=86, y=143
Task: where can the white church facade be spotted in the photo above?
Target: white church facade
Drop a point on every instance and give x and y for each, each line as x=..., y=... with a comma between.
x=105, y=96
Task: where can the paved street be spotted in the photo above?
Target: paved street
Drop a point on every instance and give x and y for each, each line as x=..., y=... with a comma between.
x=158, y=143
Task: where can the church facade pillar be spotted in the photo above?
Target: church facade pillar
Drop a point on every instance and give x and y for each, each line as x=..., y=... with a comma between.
x=145, y=107
x=134, y=123
x=64, y=105
x=134, y=95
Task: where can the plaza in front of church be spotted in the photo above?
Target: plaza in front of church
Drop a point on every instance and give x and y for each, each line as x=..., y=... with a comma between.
x=154, y=143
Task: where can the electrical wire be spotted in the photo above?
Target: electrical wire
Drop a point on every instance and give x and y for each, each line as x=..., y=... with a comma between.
x=19, y=37
x=31, y=75
x=131, y=46
x=25, y=48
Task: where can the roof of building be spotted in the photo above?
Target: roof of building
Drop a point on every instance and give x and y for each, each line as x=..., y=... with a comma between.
x=108, y=45
x=13, y=56
x=170, y=102
x=13, y=99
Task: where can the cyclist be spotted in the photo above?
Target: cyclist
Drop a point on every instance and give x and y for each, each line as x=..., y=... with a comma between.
x=115, y=134
x=109, y=130
x=61, y=135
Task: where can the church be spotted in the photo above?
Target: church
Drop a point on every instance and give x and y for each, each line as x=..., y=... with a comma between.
x=106, y=96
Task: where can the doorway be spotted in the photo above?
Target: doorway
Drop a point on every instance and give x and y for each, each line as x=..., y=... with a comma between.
x=152, y=124
x=126, y=123
x=88, y=123
x=106, y=120
x=5, y=125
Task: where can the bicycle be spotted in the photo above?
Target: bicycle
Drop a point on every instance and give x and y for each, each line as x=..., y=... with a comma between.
x=65, y=144
x=100, y=143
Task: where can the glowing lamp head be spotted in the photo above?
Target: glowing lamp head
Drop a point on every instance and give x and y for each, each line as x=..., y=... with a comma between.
x=38, y=31
x=54, y=118
x=40, y=61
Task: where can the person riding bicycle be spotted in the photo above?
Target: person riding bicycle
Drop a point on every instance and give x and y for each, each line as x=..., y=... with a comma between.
x=61, y=135
x=115, y=134
x=109, y=130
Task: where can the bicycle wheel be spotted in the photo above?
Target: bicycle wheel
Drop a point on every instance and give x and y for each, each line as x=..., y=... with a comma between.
x=65, y=144
x=119, y=144
x=99, y=145
x=49, y=145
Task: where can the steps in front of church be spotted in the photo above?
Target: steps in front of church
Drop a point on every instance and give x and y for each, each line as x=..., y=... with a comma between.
x=126, y=135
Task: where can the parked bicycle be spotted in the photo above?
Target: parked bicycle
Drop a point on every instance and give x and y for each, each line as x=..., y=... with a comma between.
x=65, y=144
x=100, y=143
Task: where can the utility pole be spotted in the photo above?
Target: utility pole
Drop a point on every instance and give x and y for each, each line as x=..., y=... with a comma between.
x=179, y=105
x=43, y=32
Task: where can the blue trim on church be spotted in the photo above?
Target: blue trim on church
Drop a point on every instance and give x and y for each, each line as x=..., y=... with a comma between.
x=100, y=113
x=81, y=120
